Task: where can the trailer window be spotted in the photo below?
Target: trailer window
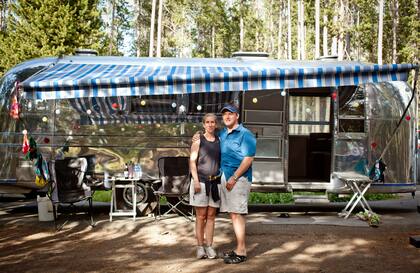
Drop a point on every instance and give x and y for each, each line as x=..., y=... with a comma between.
x=351, y=111
x=185, y=104
x=309, y=114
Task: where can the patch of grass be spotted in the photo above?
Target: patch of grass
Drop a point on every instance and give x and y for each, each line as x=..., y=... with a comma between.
x=102, y=196
x=270, y=198
x=370, y=197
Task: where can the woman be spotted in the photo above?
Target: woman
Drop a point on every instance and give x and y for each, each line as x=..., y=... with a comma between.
x=205, y=185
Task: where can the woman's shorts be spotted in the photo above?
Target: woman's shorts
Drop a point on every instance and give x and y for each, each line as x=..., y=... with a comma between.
x=236, y=200
x=200, y=199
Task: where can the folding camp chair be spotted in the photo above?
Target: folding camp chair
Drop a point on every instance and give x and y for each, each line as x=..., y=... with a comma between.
x=174, y=173
x=359, y=185
x=68, y=185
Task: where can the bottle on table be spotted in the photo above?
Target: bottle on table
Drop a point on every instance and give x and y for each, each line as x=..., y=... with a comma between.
x=130, y=169
x=126, y=171
x=137, y=171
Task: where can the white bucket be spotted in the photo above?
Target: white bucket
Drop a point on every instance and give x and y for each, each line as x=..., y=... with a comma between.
x=45, y=209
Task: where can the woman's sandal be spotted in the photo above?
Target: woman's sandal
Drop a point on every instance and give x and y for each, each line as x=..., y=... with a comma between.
x=234, y=259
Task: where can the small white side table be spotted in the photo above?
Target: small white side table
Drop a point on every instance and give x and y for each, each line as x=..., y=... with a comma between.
x=123, y=183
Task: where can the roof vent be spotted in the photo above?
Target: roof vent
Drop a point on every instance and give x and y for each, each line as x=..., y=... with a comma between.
x=328, y=58
x=85, y=52
x=244, y=54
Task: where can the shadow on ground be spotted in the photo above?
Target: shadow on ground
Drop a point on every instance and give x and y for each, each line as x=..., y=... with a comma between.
x=27, y=245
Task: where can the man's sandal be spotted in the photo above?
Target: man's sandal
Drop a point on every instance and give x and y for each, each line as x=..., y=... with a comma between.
x=235, y=259
x=227, y=254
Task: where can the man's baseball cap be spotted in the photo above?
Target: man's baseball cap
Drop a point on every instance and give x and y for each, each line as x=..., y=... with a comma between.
x=231, y=108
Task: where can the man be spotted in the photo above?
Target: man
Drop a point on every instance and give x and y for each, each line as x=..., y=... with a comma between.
x=238, y=146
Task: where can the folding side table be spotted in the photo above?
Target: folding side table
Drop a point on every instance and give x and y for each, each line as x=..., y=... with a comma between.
x=123, y=183
x=359, y=185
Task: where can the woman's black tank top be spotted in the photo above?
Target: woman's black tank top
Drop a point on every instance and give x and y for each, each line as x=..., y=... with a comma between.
x=208, y=162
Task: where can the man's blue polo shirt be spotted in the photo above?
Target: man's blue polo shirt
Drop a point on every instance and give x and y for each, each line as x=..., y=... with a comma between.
x=234, y=146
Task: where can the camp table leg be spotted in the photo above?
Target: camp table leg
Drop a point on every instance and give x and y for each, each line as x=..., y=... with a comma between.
x=359, y=198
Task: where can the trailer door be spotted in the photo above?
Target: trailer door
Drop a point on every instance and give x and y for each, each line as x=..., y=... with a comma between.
x=263, y=112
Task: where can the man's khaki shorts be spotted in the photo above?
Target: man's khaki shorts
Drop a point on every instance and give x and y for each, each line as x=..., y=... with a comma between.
x=236, y=200
x=201, y=199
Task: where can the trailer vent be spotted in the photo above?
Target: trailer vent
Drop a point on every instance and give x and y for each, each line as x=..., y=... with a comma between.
x=328, y=58
x=85, y=52
x=243, y=54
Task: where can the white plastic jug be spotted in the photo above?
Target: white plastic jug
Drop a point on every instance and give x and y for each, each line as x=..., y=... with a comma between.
x=45, y=209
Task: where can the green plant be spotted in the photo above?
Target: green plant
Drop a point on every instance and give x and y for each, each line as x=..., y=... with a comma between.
x=102, y=196
x=372, y=218
x=333, y=197
x=270, y=198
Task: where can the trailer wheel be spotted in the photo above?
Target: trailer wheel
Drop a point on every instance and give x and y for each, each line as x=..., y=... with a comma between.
x=145, y=200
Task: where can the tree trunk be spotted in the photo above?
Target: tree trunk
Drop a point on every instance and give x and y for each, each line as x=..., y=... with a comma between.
x=343, y=21
x=317, y=38
x=303, y=30
x=152, y=29
x=3, y=14
x=334, y=38
x=289, y=31
x=280, y=33
x=380, y=30
x=357, y=34
x=395, y=21
x=111, y=33
x=271, y=29
x=325, y=35
x=138, y=8
x=241, y=34
x=159, y=33
x=213, y=37
x=299, y=31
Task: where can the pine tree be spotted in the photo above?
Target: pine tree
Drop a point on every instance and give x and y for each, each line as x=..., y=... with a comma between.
x=118, y=25
x=48, y=28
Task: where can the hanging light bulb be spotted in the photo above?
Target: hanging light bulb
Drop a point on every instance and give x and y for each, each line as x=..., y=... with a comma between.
x=283, y=93
x=182, y=109
x=57, y=111
x=173, y=105
x=88, y=111
x=44, y=119
x=142, y=102
x=254, y=100
x=199, y=107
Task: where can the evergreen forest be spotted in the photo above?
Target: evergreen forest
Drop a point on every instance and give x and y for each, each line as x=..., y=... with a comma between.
x=377, y=31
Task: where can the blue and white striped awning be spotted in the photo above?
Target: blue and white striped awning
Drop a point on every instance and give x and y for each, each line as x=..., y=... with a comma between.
x=77, y=79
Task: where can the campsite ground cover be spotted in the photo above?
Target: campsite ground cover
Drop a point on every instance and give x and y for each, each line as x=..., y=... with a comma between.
x=27, y=245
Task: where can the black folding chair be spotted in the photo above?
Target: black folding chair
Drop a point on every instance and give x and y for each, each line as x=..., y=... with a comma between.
x=68, y=185
x=174, y=173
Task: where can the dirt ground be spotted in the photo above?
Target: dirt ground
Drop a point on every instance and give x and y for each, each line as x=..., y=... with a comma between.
x=27, y=245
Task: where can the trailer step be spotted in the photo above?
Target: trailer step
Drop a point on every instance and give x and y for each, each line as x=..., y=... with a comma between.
x=311, y=199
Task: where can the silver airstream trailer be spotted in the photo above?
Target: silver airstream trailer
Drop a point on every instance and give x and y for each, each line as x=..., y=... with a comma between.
x=311, y=118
